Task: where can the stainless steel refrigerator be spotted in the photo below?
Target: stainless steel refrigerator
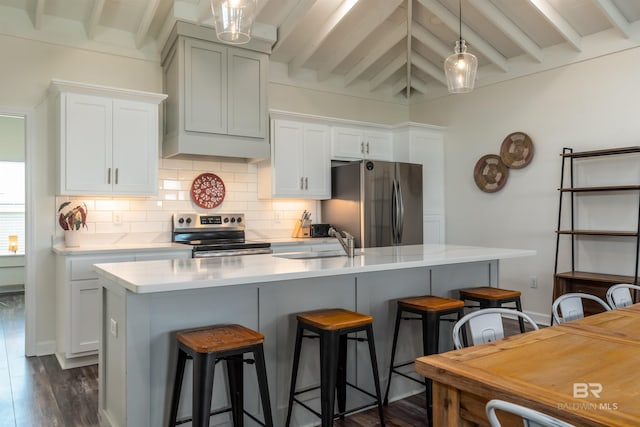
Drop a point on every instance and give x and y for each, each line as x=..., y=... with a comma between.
x=379, y=203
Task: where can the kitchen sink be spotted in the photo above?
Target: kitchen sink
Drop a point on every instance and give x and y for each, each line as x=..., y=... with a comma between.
x=311, y=254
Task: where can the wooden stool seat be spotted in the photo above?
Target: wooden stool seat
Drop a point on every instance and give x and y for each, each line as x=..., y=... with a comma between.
x=489, y=293
x=332, y=319
x=218, y=338
x=431, y=303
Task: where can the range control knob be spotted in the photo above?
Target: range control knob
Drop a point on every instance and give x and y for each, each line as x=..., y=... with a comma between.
x=181, y=221
x=239, y=219
x=188, y=220
x=226, y=219
x=233, y=220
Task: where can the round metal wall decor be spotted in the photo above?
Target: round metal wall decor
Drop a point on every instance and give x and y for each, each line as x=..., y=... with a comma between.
x=490, y=173
x=516, y=150
x=207, y=190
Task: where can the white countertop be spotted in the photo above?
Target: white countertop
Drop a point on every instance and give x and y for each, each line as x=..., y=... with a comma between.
x=182, y=274
x=97, y=249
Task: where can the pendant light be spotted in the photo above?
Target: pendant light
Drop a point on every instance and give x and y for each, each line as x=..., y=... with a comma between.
x=461, y=66
x=234, y=19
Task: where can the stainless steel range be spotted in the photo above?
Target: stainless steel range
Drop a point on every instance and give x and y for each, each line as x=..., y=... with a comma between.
x=215, y=235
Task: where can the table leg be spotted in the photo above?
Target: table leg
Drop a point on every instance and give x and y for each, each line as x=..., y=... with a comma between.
x=446, y=405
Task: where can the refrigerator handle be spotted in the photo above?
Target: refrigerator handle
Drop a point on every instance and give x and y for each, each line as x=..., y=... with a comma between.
x=395, y=212
x=400, y=227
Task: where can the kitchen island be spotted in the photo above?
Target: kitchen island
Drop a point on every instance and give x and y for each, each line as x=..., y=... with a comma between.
x=143, y=303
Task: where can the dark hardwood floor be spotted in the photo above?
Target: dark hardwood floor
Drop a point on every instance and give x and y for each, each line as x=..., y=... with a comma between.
x=35, y=392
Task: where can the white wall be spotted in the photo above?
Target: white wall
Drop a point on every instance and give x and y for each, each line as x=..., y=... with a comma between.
x=312, y=101
x=590, y=105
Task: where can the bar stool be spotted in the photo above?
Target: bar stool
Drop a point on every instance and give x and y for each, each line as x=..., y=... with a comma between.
x=430, y=310
x=207, y=346
x=489, y=297
x=332, y=326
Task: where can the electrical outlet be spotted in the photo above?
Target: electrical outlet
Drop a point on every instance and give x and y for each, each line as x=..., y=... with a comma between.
x=533, y=282
x=114, y=327
x=117, y=218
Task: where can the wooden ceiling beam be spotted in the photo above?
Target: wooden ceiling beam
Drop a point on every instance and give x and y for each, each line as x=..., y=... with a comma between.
x=409, y=51
x=419, y=85
x=291, y=22
x=510, y=29
x=94, y=18
x=398, y=62
x=38, y=14
x=320, y=36
x=390, y=40
x=437, y=72
x=614, y=16
x=559, y=23
x=429, y=40
x=145, y=23
x=478, y=43
x=367, y=25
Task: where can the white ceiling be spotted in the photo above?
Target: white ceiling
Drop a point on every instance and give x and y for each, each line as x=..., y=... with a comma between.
x=355, y=45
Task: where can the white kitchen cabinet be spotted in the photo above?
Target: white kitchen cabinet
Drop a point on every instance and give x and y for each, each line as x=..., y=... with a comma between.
x=217, y=99
x=424, y=144
x=107, y=140
x=78, y=299
x=300, y=161
x=355, y=143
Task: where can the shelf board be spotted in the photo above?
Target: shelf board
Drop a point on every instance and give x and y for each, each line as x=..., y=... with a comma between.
x=599, y=233
x=595, y=277
x=605, y=152
x=600, y=188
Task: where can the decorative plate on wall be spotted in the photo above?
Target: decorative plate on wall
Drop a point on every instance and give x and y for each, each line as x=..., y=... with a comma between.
x=516, y=150
x=207, y=190
x=490, y=173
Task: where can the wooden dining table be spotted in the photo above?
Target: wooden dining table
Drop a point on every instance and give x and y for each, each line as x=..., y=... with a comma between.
x=585, y=372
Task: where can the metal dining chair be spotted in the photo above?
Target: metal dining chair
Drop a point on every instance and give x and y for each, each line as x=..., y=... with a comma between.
x=569, y=307
x=530, y=417
x=485, y=325
x=619, y=296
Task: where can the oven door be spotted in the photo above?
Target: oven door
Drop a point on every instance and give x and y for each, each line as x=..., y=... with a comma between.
x=231, y=252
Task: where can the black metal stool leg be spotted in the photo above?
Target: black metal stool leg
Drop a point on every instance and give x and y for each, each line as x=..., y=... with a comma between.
x=261, y=370
x=236, y=388
x=177, y=387
x=294, y=371
x=203, y=370
x=396, y=330
x=374, y=368
x=328, y=372
x=520, y=319
x=341, y=377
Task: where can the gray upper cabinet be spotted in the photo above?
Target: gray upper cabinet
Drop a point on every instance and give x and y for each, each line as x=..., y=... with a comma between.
x=217, y=102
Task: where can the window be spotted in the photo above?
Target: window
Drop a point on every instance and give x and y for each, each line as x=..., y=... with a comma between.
x=12, y=190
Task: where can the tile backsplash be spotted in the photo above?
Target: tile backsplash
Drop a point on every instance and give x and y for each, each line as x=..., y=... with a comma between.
x=148, y=219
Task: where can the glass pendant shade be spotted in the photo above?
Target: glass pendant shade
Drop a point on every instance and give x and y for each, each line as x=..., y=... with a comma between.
x=460, y=69
x=234, y=19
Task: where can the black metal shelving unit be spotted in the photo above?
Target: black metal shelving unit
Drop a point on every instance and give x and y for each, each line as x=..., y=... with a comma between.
x=590, y=282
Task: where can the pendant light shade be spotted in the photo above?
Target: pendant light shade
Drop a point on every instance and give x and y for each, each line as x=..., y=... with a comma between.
x=234, y=19
x=461, y=66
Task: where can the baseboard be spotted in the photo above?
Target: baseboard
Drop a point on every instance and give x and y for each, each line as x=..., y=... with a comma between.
x=540, y=318
x=76, y=362
x=45, y=348
x=11, y=289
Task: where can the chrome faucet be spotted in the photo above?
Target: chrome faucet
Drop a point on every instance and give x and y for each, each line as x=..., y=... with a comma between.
x=348, y=242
